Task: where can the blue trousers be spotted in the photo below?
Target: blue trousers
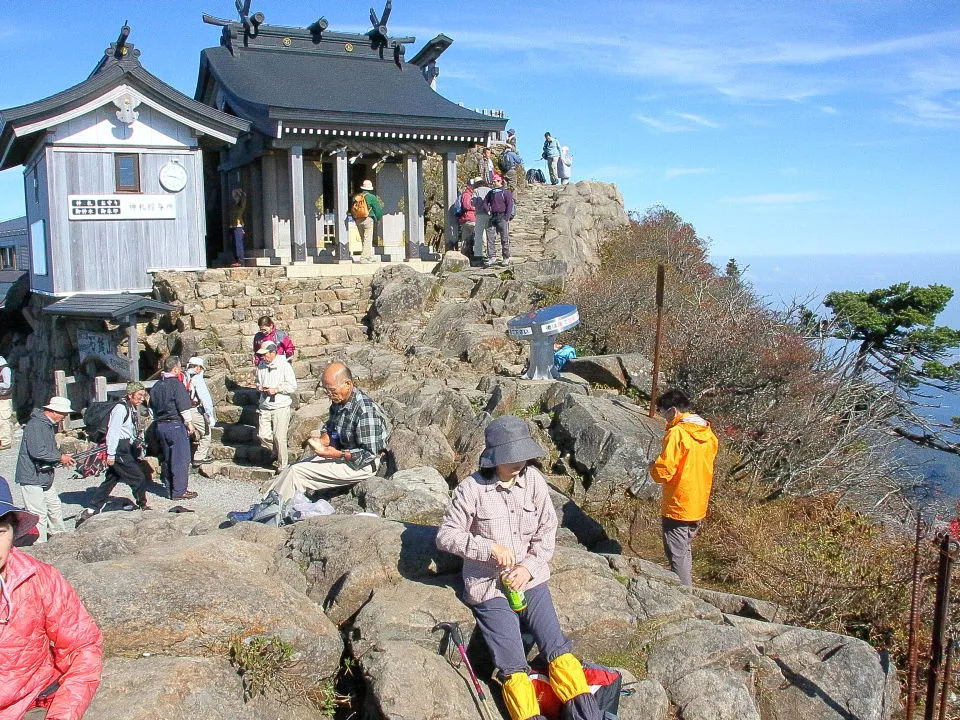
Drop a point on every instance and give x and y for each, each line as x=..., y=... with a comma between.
x=501, y=626
x=175, y=468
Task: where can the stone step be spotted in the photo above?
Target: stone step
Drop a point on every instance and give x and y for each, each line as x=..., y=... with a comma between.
x=232, y=433
x=245, y=454
x=241, y=473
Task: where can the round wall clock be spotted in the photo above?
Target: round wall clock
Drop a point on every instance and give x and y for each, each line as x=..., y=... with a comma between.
x=173, y=177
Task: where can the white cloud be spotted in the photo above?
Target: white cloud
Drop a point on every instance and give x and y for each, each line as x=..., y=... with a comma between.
x=681, y=172
x=776, y=198
x=676, y=122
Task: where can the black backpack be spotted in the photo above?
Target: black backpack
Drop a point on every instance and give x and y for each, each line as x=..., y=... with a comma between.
x=535, y=176
x=506, y=162
x=96, y=418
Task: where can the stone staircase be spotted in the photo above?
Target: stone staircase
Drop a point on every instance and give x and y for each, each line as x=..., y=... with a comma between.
x=534, y=204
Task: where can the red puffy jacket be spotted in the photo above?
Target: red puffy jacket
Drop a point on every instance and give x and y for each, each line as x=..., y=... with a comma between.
x=45, y=634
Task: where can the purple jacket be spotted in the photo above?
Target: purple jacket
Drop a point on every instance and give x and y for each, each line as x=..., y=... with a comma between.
x=499, y=201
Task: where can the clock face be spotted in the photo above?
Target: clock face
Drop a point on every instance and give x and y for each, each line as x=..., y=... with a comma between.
x=173, y=178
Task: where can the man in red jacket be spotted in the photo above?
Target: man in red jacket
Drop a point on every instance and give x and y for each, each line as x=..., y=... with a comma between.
x=51, y=651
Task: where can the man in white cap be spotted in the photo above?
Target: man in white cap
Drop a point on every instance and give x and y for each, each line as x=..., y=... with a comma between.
x=204, y=413
x=276, y=381
x=366, y=209
x=39, y=456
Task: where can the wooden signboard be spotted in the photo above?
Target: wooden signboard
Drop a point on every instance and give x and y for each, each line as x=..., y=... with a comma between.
x=101, y=347
x=122, y=207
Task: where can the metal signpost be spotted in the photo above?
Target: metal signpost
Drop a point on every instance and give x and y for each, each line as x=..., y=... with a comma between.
x=540, y=327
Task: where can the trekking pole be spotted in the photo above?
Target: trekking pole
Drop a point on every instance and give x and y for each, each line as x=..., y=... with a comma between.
x=945, y=685
x=454, y=630
x=656, y=343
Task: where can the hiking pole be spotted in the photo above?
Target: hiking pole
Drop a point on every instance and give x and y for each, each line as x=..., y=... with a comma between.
x=454, y=630
x=656, y=343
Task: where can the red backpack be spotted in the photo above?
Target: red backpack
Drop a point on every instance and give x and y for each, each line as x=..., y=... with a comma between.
x=604, y=683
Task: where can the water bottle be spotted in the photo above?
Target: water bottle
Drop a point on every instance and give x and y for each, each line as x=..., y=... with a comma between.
x=515, y=598
x=335, y=440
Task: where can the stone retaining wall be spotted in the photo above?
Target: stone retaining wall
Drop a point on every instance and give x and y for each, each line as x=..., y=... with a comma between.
x=219, y=311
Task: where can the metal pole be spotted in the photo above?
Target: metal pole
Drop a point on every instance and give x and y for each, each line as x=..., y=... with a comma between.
x=914, y=612
x=656, y=343
x=945, y=685
x=940, y=625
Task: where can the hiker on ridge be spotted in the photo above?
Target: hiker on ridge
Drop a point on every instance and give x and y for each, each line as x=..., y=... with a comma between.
x=685, y=469
x=501, y=521
x=51, y=651
x=551, y=152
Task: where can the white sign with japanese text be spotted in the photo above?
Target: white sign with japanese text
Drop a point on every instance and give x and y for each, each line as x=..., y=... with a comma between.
x=122, y=207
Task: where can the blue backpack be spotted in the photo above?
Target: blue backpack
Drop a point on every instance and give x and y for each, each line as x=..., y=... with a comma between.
x=458, y=208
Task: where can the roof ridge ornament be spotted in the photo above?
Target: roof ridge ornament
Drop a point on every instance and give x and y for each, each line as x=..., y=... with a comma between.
x=379, y=39
x=251, y=25
x=121, y=49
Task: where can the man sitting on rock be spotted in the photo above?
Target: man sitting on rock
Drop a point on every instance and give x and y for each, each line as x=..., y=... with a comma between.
x=349, y=449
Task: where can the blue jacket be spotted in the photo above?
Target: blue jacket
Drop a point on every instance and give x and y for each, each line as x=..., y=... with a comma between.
x=551, y=148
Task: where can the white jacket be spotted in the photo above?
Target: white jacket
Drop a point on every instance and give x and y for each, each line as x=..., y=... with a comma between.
x=278, y=374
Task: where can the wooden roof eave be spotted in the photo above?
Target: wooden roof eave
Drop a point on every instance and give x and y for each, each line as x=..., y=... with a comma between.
x=21, y=123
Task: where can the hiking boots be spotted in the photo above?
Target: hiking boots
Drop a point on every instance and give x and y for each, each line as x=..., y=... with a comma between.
x=490, y=262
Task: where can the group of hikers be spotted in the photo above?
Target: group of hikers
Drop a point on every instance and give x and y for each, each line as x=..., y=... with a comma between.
x=500, y=521
x=486, y=206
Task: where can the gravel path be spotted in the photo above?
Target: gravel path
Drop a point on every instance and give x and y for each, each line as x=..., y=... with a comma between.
x=216, y=495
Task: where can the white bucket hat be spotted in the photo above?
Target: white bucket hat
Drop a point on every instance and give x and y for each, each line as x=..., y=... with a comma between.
x=366, y=185
x=59, y=405
x=196, y=360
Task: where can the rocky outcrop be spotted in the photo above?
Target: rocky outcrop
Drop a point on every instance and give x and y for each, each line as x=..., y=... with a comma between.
x=172, y=593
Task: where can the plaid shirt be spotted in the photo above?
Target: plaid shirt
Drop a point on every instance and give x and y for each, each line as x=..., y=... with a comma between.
x=483, y=512
x=362, y=427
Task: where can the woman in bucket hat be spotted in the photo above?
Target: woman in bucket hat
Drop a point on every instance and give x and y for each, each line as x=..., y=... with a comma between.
x=51, y=651
x=501, y=521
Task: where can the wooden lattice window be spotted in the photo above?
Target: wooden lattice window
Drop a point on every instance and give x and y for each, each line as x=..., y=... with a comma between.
x=127, y=172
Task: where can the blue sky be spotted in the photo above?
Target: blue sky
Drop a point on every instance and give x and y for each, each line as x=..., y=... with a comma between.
x=776, y=128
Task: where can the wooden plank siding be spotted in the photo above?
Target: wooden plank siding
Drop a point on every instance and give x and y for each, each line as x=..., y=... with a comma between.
x=114, y=255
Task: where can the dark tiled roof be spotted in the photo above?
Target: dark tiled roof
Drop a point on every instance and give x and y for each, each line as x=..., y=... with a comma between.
x=114, y=306
x=127, y=71
x=17, y=226
x=334, y=87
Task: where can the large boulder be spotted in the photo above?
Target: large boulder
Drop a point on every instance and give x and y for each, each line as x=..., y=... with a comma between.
x=617, y=371
x=348, y=557
x=611, y=443
x=418, y=495
x=159, y=688
x=408, y=611
x=591, y=604
x=427, y=446
x=821, y=675
x=408, y=681
x=193, y=596
x=706, y=669
x=654, y=600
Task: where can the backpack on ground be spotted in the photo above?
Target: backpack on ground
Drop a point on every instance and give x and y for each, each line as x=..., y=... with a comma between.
x=96, y=418
x=535, y=176
x=605, y=684
x=360, y=210
x=506, y=162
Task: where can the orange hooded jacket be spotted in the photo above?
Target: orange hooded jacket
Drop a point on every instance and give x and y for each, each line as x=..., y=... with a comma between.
x=685, y=467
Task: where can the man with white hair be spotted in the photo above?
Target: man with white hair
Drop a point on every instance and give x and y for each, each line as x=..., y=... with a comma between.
x=38, y=458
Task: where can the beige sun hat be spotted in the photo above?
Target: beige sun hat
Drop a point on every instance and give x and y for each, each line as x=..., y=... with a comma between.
x=59, y=405
x=366, y=185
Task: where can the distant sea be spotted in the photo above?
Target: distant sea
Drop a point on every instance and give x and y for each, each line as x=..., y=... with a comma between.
x=808, y=278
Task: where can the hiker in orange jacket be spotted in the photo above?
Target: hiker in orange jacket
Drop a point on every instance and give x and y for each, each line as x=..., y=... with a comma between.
x=685, y=469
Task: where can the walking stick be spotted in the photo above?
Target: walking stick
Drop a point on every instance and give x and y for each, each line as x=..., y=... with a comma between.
x=656, y=343
x=486, y=709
